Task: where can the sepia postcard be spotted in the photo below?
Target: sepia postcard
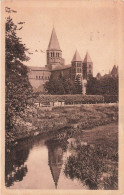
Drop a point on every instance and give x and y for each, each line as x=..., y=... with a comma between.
x=62, y=76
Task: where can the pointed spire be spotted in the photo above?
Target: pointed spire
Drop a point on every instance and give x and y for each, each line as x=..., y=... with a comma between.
x=76, y=57
x=53, y=44
x=87, y=58
x=114, y=71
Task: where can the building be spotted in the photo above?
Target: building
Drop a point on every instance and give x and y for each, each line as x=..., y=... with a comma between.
x=55, y=65
x=114, y=72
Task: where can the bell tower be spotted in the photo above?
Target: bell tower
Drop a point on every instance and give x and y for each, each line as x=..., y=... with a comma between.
x=54, y=53
x=87, y=67
x=76, y=65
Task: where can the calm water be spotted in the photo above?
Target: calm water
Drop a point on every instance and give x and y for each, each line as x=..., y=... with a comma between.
x=39, y=163
x=64, y=161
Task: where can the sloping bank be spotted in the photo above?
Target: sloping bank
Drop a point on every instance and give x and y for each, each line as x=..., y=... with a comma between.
x=35, y=121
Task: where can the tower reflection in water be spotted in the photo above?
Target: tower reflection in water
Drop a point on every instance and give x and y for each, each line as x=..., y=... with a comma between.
x=55, y=158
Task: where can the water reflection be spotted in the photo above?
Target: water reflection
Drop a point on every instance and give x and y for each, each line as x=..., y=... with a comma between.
x=55, y=158
x=89, y=163
x=17, y=157
x=60, y=162
x=15, y=166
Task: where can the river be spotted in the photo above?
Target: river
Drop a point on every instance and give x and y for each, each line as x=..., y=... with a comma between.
x=52, y=162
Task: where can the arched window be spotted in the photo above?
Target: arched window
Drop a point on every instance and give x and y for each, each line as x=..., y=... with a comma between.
x=39, y=77
x=53, y=54
x=58, y=54
x=36, y=77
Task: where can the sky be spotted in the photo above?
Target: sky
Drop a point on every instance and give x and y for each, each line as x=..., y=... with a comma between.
x=87, y=25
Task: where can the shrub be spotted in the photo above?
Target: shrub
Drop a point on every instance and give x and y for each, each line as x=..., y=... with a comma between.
x=110, y=98
x=70, y=99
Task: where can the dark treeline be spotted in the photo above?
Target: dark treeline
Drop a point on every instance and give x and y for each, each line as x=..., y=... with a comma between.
x=60, y=85
x=104, y=86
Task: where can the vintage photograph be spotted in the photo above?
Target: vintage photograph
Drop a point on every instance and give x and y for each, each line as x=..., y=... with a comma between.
x=61, y=95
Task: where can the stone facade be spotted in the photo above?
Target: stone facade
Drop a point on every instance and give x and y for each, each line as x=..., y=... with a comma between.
x=56, y=66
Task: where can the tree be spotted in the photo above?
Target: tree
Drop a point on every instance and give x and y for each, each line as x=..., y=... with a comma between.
x=54, y=86
x=15, y=49
x=78, y=85
x=18, y=88
x=106, y=85
x=60, y=85
x=93, y=86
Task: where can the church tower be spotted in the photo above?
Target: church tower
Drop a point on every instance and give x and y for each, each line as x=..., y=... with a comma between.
x=76, y=65
x=87, y=67
x=54, y=53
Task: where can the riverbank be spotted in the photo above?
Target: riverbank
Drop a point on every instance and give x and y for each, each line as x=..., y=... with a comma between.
x=94, y=159
x=90, y=158
x=34, y=121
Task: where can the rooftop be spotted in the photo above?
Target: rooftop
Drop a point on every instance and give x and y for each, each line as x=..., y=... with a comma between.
x=36, y=68
x=61, y=67
x=53, y=44
x=76, y=57
x=87, y=58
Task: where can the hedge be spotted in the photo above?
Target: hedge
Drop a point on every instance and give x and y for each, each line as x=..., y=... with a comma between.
x=73, y=99
x=70, y=99
x=110, y=98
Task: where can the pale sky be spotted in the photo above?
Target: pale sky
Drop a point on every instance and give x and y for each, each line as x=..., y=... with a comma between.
x=83, y=25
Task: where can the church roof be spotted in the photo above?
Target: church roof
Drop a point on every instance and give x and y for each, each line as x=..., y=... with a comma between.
x=36, y=68
x=114, y=71
x=53, y=44
x=76, y=57
x=61, y=67
x=87, y=58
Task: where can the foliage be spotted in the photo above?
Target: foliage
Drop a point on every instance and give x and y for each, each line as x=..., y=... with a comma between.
x=54, y=86
x=75, y=117
x=94, y=158
x=110, y=98
x=89, y=165
x=105, y=86
x=61, y=85
x=78, y=85
x=15, y=49
x=18, y=88
x=69, y=99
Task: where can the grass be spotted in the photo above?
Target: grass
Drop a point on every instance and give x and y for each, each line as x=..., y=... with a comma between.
x=36, y=121
x=95, y=163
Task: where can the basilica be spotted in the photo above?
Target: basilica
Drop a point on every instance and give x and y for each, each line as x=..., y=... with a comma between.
x=55, y=65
